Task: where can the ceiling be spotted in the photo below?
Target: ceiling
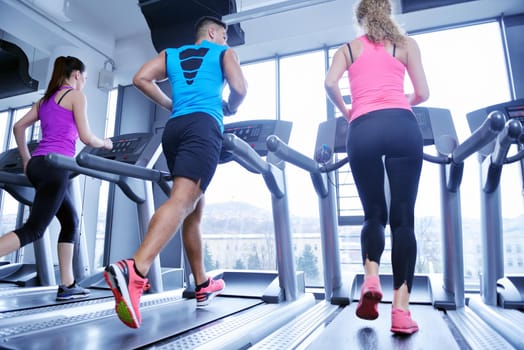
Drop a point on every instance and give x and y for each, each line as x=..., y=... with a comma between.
x=118, y=31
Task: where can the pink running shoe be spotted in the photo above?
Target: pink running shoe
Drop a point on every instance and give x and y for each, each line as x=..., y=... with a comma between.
x=370, y=296
x=401, y=322
x=204, y=295
x=127, y=287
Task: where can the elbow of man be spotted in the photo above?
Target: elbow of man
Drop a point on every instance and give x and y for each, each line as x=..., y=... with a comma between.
x=138, y=81
x=240, y=90
x=16, y=127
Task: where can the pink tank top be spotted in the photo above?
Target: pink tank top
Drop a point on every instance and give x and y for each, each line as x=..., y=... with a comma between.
x=59, y=131
x=376, y=80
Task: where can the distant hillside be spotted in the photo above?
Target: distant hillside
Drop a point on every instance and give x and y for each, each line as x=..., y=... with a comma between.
x=515, y=224
x=239, y=209
x=234, y=217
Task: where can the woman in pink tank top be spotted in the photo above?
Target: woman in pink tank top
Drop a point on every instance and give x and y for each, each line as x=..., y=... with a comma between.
x=383, y=134
x=62, y=115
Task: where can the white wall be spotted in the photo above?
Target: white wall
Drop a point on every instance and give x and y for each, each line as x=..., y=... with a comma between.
x=290, y=32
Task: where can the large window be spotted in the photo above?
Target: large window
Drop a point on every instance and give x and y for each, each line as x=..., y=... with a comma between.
x=103, y=199
x=466, y=71
x=6, y=219
x=10, y=207
x=303, y=102
x=4, y=125
x=237, y=225
x=260, y=101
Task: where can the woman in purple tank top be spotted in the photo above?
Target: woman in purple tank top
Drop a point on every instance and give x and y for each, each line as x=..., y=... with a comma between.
x=383, y=134
x=63, y=119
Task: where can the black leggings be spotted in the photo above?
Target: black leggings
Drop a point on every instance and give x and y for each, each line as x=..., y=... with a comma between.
x=52, y=198
x=392, y=134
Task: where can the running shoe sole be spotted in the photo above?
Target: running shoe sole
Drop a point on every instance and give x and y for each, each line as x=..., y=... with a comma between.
x=366, y=307
x=210, y=297
x=123, y=306
x=76, y=296
x=405, y=331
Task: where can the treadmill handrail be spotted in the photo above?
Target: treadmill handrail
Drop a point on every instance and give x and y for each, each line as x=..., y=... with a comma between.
x=124, y=182
x=247, y=153
x=485, y=133
x=69, y=163
x=334, y=166
x=512, y=131
x=286, y=153
x=441, y=159
x=108, y=165
x=518, y=156
x=90, y=161
x=14, y=179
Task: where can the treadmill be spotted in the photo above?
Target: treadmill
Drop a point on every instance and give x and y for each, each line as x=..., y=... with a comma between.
x=430, y=302
x=140, y=150
x=35, y=302
x=500, y=296
x=234, y=320
x=336, y=290
x=20, y=273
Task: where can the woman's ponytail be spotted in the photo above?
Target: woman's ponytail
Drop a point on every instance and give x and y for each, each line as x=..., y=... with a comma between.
x=62, y=69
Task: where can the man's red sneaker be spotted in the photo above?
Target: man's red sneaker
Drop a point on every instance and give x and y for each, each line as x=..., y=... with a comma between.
x=127, y=287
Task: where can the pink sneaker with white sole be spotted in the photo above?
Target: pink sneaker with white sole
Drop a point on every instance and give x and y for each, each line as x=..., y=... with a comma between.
x=402, y=323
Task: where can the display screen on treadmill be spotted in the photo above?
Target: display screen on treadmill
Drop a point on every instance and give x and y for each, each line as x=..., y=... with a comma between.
x=249, y=133
x=516, y=112
x=126, y=148
x=424, y=123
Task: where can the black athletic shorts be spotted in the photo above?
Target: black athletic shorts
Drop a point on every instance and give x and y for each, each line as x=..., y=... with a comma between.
x=191, y=145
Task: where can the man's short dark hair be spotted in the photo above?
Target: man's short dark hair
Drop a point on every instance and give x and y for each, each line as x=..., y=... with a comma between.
x=206, y=19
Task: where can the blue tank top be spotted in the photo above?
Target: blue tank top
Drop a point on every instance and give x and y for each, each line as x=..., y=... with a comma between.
x=197, y=80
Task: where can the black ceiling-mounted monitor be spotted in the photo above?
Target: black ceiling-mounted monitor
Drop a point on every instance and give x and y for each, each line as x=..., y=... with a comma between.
x=14, y=71
x=172, y=22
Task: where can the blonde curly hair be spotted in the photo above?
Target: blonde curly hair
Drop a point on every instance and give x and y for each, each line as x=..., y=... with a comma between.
x=374, y=17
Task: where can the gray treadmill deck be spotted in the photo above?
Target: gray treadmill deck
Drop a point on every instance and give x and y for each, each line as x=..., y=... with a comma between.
x=103, y=330
x=347, y=331
x=43, y=298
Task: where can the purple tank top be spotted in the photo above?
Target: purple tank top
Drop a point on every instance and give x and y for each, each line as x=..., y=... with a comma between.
x=59, y=131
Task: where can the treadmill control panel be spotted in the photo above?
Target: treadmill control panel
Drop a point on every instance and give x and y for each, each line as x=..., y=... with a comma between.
x=433, y=122
x=127, y=148
x=424, y=123
x=11, y=161
x=255, y=132
x=511, y=110
x=515, y=112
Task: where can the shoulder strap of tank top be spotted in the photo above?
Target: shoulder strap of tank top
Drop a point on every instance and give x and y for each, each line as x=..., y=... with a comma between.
x=350, y=52
x=61, y=97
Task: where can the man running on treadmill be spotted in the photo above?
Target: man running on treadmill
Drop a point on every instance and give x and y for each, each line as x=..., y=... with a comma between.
x=191, y=143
